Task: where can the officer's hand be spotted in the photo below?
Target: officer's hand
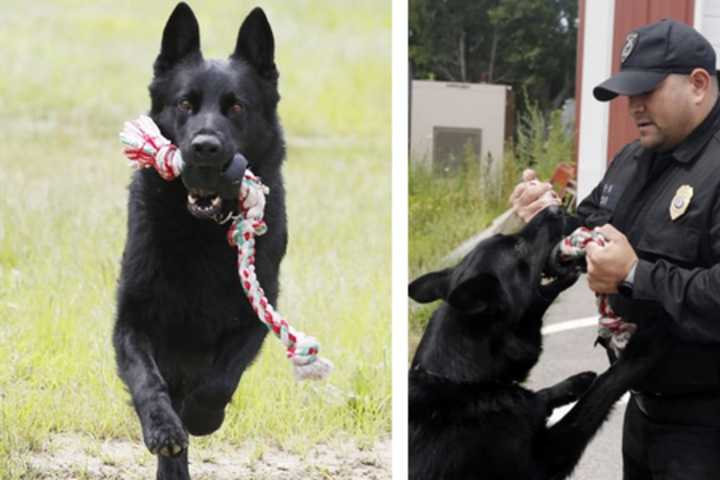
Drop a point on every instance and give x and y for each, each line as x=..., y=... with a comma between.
x=607, y=266
x=531, y=196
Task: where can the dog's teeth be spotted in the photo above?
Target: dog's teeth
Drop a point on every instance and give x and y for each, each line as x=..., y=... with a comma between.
x=191, y=199
x=216, y=201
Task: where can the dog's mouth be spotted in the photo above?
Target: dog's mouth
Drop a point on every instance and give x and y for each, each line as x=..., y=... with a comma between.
x=559, y=273
x=551, y=286
x=205, y=205
x=211, y=191
x=550, y=280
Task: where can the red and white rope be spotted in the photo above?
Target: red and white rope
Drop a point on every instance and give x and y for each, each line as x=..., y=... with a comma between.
x=612, y=329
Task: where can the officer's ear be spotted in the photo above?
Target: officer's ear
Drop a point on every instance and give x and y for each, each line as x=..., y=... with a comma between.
x=702, y=85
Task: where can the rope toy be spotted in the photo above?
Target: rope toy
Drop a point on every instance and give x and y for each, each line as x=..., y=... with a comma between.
x=613, y=332
x=145, y=147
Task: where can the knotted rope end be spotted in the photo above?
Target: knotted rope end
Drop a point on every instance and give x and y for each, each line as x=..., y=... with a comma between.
x=317, y=370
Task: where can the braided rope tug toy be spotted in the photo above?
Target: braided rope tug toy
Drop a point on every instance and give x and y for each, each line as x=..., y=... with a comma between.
x=146, y=147
x=613, y=332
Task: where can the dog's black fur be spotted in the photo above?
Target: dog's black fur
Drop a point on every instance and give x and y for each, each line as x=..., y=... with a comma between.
x=184, y=332
x=469, y=416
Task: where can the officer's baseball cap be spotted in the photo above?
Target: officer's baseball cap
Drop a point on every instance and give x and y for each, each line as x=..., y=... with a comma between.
x=653, y=52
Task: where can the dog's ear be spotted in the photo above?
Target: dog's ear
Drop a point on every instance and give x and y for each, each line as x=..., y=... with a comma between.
x=256, y=44
x=181, y=38
x=476, y=294
x=431, y=286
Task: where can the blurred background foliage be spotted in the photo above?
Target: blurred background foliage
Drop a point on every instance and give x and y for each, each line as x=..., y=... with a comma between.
x=527, y=44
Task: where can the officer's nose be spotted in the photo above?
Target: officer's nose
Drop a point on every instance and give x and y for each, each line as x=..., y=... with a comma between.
x=206, y=149
x=636, y=103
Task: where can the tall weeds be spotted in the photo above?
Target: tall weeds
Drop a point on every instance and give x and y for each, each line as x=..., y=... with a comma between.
x=541, y=141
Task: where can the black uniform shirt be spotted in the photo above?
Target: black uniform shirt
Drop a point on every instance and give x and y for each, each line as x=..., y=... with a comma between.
x=677, y=280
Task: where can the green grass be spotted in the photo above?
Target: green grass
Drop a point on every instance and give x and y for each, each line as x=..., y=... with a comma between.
x=73, y=72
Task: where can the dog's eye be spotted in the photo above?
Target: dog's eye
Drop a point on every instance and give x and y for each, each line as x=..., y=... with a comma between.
x=185, y=106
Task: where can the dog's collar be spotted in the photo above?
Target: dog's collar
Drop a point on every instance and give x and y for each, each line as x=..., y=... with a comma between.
x=421, y=373
x=437, y=399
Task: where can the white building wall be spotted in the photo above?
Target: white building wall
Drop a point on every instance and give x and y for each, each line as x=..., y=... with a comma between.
x=707, y=22
x=594, y=115
x=458, y=105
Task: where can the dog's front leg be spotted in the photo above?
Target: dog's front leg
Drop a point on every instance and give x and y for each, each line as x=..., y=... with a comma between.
x=162, y=430
x=562, y=445
x=203, y=409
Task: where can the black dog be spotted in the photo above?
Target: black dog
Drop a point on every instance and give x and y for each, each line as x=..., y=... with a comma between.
x=469, y=416
x=184, y=331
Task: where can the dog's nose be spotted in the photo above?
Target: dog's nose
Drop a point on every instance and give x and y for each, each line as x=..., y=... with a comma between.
x=206, y=148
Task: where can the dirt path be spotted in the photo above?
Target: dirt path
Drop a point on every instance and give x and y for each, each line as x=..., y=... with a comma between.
x=69, y=457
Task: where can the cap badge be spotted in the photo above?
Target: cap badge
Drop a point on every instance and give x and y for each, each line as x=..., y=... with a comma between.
x=681, y=201
x=630, y=42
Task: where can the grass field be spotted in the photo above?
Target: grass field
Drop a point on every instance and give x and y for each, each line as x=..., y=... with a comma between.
x=73, y=72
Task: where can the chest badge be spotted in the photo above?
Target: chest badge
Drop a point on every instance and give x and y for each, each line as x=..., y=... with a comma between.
x=681, y=201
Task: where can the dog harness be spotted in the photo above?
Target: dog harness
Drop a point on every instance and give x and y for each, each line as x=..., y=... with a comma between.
x=613, y=332
x=145, y=147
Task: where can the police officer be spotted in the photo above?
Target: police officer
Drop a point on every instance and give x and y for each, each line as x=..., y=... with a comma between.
x=659, y=207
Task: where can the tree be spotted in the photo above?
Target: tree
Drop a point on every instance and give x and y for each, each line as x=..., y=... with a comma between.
x=528, y=44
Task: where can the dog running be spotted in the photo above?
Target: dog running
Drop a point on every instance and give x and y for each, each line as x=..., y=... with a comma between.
x=184, y=332
x=470, y=417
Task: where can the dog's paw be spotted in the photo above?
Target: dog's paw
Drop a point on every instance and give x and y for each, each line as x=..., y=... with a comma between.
x=579, y=383
x=650, y=342
x=200, y=418
x=566, y=391
x=164, y=433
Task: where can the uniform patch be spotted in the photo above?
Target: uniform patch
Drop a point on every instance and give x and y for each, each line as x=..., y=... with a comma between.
x=630, y=42
x=681, y=201
x=610, y=196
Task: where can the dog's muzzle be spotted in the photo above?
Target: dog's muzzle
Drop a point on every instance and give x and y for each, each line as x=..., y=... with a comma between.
x=558, y=266
x=223, y=182
x=213, y=193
